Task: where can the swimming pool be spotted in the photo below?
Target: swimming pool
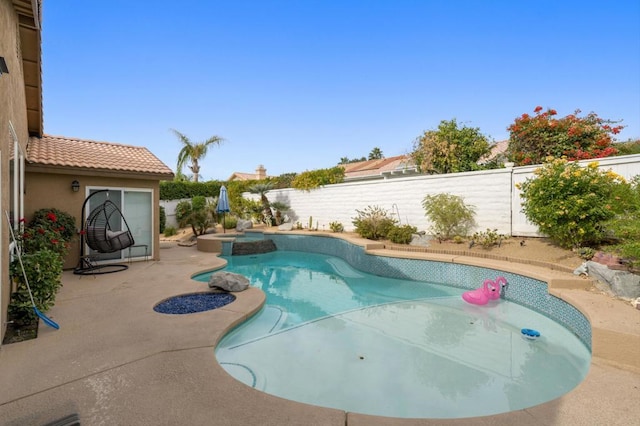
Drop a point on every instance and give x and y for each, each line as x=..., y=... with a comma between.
x=334, y=336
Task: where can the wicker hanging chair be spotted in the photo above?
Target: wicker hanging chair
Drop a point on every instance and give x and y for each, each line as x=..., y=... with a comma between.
x=99, y=235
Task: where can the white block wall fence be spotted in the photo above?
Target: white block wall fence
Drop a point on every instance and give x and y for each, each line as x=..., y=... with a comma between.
x=492, y=192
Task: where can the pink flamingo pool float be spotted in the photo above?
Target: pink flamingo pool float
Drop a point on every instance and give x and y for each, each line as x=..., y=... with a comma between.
x=490, y=290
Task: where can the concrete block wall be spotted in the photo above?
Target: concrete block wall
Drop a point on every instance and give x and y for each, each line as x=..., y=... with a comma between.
x=493, y=193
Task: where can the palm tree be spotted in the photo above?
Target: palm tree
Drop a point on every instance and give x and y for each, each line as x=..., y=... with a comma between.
x=376, y=154
x=262, y=189
x=193, y=152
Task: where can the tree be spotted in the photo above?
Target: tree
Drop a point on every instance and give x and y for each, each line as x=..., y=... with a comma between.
x=193, y=152
x=376, y=154
x=347, y=160
x=450, y=148
x=534, y=138
x=262, y=189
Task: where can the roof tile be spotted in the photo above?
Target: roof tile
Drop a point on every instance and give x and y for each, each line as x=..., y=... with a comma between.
x=87, y=154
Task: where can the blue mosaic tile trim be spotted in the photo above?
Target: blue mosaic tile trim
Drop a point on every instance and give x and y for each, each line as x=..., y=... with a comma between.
x=523, y=290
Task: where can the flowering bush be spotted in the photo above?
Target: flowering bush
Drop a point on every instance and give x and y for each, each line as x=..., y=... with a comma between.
x=43, y=269
x=49, y=229
x=43, y=245
x=533, y=138
x=570, y=203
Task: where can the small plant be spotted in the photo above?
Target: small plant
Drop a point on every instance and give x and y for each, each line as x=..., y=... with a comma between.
x=299, y=226
x=336, y=227
x=170, y=231
x=310, y=223
x=487, y=239
x=373, y=223
x=401, y=234
x=458, y=239
x=585, y=253
x=449, y=215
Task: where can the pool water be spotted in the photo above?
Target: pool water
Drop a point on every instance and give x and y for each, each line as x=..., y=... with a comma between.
x=333, y=336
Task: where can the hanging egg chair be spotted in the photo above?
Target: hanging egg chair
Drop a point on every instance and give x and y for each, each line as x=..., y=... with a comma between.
x=104, y=231
x=100, y=237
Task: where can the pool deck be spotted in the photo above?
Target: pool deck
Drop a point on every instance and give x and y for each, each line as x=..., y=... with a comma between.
x=114, y=361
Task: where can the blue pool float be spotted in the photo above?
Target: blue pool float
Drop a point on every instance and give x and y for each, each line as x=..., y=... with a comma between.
x=530, y=334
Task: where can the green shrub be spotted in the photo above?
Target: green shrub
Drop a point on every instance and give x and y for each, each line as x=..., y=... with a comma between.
x=488, y=238
x=401, y=234
x=449, y=215
x=624, y=228
x=570, y=203
x=336, y=227
x=196, y=213
x=170, y=231
x=373, y=222
x=43, y=269
x=229, y=222
x=313, y=179
x=162, y=219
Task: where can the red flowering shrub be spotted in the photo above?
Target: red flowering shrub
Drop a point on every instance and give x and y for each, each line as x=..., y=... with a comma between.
x=534, y=138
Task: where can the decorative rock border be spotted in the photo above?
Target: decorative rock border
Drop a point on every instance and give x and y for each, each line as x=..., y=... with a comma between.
x=193, y=302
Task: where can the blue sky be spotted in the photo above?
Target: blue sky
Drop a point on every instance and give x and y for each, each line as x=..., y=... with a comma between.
x=297, y=85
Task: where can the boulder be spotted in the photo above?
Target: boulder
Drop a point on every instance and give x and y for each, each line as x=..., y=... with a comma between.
x=287, y=226
x=621, y=283
x=243, y=224
x=228, y=281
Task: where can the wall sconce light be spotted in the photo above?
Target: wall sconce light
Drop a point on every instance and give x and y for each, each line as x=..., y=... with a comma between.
x=3, y=66
x=75, y=186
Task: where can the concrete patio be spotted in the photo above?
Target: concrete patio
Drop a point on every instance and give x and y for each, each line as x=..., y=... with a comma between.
x=115, y=361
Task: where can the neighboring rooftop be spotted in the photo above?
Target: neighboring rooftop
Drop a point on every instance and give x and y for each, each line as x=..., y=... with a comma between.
x=61, y=151
x=384, y=167
x=260, y=174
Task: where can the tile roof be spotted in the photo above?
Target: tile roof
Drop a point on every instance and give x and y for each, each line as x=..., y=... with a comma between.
x=60, y=151
x=376, y=167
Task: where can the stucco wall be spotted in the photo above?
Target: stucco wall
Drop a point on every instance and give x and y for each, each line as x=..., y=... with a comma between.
x=12, y=108
x=47, y=190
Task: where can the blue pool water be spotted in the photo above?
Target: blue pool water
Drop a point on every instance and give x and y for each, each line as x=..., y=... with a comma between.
x=337, y=337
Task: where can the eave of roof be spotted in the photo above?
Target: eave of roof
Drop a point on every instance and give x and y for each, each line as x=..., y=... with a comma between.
x=59, y=152
x=29, y=18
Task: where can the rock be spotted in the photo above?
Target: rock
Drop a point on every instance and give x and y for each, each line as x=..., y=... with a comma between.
x=621, y=283
x=581, y=270
x=287, y=226
x=243, y=224
x=228, y=281
x=420, y=239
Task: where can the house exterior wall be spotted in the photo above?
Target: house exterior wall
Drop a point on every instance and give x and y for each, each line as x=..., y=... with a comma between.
x=12, y=108
x=493, y=193
x=53, y=190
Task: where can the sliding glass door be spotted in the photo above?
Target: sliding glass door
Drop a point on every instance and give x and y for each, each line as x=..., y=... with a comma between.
x=137, y=211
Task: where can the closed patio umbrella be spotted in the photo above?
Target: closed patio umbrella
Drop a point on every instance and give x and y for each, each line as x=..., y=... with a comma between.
x=223, y=205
